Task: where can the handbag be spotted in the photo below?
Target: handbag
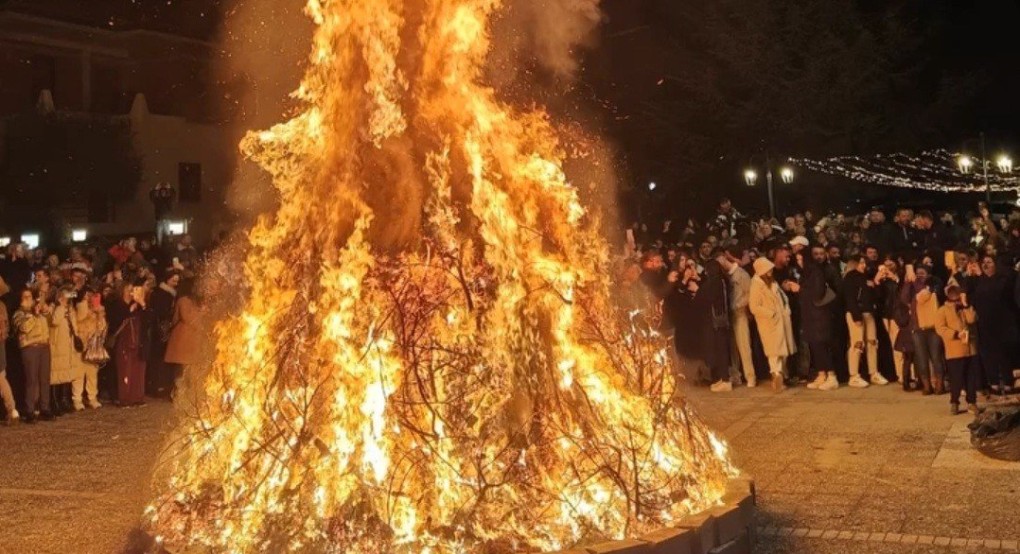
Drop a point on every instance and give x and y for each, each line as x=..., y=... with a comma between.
x=111, y=340
x=95, y=352
x=827, y=297
x=79, y=345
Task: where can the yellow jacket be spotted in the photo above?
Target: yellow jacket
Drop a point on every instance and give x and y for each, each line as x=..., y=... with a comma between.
x=950, y=323
x=927, y=309
x=33, y=329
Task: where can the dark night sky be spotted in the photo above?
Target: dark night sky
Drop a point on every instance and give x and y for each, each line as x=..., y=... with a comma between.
x=956, y=76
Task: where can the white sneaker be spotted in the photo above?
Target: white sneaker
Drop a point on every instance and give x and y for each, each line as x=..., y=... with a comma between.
x=857, y=382
x=829, y=384
x=877, y=379
x=721, y=386
x=817, y=383
x=752, y=383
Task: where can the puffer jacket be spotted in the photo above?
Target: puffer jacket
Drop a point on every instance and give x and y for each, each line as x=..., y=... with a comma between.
x=924, y=302
x=950, y=322
x=33, y=329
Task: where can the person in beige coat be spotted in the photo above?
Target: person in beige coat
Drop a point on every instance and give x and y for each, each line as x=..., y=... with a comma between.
x=189, y=336
x=5, y=387
x=771, y=310
x=954, y=323
x=90, y=321
x=66, y=374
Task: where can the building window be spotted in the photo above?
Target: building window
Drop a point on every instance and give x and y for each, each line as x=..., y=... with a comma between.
x=189, y=177
x=176, y=227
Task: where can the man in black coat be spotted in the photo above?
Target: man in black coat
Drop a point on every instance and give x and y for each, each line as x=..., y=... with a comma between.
x=993, y=292
x=904, y=236
x=160, y=377
x=817, y=300
x=712, y=297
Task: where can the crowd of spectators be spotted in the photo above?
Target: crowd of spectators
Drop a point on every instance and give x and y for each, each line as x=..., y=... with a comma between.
x=926, y=300
x=95, y=325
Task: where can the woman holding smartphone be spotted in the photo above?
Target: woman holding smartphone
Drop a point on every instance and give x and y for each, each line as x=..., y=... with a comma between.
x=129, y=323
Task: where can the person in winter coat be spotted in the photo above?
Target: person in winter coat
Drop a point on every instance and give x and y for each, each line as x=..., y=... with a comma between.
x=161, y=304
x=31, y=321
x=904, y=343
x=712, y=297
x=90, y=320
x=859, y=298
x=189, y=337
x=66, y=373
x=131, y=318
x=817, y=299
x=888, y=281
x=6, y=395
x=955, y=325
x=921, y=292
x=771, y=310
x=992, y=291
x=740, y=292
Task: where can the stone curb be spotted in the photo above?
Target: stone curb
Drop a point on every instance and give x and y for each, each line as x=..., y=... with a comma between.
x=724, y=529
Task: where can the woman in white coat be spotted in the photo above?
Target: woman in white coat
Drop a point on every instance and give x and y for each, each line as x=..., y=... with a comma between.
x=771, y=310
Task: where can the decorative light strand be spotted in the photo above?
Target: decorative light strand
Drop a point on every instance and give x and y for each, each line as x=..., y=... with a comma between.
x=932, y=170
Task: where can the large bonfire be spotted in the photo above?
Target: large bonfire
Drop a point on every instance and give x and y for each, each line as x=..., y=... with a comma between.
x=464, y=386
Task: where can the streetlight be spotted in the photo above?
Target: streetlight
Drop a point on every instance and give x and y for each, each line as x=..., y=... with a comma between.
x=786, y=173
x=1005, y=163
x=966, y=164
x=652, y=185
x=751, y=177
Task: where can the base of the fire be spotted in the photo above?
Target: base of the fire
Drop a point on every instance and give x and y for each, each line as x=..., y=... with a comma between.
x=724, y=529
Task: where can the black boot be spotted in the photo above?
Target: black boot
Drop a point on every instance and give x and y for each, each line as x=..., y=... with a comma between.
x=55, y=408
x=68, y=399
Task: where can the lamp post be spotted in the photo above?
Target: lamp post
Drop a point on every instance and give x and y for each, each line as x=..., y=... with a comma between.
x=785, y=174
x=1003, y=163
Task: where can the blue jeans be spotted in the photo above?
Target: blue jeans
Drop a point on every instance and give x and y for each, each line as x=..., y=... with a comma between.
x=928, y=356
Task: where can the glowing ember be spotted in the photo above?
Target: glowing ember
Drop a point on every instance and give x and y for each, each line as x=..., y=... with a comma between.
x=446, y=378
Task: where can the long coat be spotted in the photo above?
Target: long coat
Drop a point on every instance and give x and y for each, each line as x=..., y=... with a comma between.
x=188, y=343
x=771, y=311
x=64, y=359
x=712, y=300
x=815, y=319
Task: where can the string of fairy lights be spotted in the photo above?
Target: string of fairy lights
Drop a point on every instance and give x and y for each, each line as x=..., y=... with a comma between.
x=934, y=170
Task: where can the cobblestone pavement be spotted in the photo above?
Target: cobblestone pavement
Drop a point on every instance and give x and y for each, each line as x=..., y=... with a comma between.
x=78, y=484
x=862, y=471
x=865, y=471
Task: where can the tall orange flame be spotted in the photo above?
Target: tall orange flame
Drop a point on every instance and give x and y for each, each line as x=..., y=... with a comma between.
x=446, y=378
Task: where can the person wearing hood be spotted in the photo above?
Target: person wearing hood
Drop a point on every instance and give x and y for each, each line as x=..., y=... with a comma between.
x=859, y=297
x=6, y=395
x=771, y=310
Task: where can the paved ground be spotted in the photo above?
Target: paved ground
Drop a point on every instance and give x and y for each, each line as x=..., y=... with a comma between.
x=866, y=471
x=848, y=471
